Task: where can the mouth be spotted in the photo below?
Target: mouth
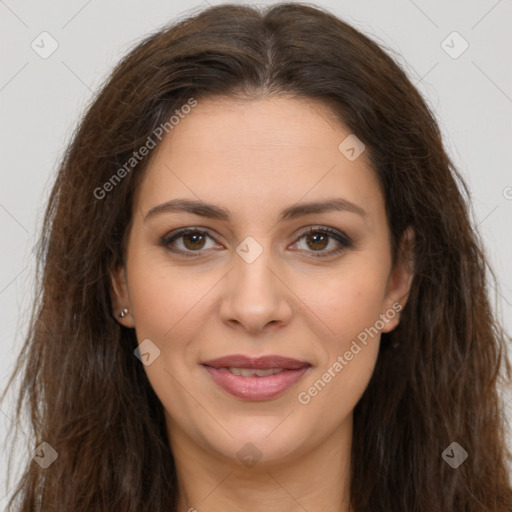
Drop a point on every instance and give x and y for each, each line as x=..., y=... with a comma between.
x=260, y=378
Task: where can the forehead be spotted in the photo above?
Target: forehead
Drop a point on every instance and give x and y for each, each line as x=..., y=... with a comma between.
x=261, y=154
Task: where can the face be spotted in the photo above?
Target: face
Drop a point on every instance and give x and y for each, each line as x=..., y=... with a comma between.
x=257, y=244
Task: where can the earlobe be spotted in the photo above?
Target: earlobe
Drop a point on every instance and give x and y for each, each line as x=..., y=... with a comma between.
x=400, y=280
x=120, y=298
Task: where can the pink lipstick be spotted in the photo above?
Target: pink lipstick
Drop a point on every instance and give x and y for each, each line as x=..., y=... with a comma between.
x=259, y=378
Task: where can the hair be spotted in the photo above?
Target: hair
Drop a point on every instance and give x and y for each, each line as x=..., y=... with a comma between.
x=437, y=376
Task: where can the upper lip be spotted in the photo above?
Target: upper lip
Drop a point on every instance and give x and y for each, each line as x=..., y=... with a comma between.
x=262, y=363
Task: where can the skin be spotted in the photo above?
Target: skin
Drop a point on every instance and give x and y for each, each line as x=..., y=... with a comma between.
x=255, y=158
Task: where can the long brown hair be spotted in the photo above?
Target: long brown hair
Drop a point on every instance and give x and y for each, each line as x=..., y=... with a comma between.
x=437, y=375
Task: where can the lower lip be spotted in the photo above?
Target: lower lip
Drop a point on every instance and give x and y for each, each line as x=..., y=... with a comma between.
x=256, y=388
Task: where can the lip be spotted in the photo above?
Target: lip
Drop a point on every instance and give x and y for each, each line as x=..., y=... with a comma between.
x=263, y=363
x=256, y=388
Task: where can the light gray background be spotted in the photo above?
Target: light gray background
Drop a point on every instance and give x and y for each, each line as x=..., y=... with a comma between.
x=41, y=101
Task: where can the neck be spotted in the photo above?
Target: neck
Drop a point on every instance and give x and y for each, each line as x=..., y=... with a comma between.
x=314, y=480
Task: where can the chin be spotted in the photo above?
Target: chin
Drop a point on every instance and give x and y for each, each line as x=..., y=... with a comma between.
x=266, y=440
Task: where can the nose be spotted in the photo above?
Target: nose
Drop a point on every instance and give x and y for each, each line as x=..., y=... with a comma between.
x=255, y=294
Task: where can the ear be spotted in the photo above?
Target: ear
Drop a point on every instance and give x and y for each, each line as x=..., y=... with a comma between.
x=120, y=297
x=400, y=279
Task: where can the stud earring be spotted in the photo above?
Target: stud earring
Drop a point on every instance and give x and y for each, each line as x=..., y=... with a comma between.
x=123, y=313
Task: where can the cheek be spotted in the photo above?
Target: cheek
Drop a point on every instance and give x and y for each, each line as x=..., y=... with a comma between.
x=167, y=305
x=347, y=302
x=350, y=307
x=164, y=300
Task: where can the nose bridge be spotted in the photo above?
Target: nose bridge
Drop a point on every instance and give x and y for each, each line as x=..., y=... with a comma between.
x=252, y=264
x=255, y=296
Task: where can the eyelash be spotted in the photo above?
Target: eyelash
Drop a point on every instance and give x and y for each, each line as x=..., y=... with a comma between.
x=344, y=241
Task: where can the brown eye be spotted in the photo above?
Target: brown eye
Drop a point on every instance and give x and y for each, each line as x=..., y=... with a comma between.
x=194, y=240
x=189, y=241
x=317, y=241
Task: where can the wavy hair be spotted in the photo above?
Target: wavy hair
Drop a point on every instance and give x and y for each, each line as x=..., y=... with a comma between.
x=437, y=377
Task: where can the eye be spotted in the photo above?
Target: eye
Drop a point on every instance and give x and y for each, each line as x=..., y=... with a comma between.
x=317, y=239
x=187, y=241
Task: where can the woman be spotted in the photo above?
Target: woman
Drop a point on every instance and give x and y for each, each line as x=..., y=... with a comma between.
x=260, y=288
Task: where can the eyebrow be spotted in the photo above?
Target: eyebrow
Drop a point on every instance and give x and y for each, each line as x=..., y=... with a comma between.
x=212, y=211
